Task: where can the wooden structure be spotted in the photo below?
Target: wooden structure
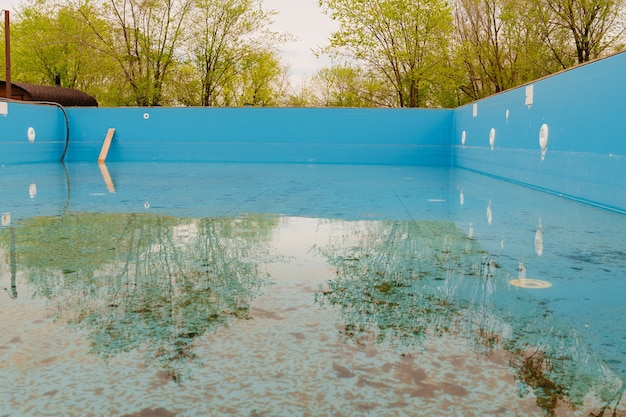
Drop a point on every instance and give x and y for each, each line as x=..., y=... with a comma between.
x=67, y=97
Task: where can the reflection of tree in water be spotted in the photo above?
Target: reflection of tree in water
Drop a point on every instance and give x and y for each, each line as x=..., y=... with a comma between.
x=400, y=282
x=377, y=283
x=148, y=282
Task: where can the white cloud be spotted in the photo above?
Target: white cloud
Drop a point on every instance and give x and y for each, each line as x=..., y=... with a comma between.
x=10, y=5
x=312, y=28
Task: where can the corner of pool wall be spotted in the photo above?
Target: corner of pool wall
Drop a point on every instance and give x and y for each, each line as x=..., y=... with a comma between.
x=564, y=134
x=31, y=133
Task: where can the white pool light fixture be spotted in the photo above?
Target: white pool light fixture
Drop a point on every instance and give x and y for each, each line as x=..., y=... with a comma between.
x=31, y=134
x=543, y=140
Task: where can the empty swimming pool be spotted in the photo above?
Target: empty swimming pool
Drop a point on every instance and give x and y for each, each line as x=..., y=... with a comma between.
x=265, y=289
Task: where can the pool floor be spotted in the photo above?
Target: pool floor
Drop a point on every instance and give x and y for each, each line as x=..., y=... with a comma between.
x=284, y=290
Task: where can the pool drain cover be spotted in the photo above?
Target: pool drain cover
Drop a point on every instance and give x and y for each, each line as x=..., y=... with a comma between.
x=530, y=283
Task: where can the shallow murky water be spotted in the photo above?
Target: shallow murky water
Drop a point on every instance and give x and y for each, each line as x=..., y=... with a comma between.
x=272, y=290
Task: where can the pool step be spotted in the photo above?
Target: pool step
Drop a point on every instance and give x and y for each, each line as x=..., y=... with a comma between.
x=106, y=145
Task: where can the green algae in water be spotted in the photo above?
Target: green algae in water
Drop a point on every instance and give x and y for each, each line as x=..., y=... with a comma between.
x=144, y=281
x=400, y=282
x=154, y=284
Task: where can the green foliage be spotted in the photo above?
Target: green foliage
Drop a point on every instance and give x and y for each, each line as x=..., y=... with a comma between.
x=184, y=86
x=49, y=40
x=262, y=82
x=490, y=45
x=161, y=52
x=388, y=53
x=499, y=47
x=233, y=53
x=593, y=26
x=401, y=41
x=258, y=80
x=501, y=44
x=142, y=38
x=348, y=86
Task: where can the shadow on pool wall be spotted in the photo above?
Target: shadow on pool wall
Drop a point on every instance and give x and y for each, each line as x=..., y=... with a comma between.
x=563, y=134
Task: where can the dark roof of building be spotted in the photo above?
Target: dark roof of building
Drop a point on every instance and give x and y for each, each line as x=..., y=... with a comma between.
x=64, y=96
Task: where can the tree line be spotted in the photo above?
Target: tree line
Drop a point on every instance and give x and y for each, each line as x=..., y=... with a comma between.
x=386, y=53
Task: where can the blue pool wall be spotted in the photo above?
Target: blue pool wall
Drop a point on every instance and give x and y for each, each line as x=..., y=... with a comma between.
x=47, y=127
x=584, y=113
x=268, y=135
x=582, y=108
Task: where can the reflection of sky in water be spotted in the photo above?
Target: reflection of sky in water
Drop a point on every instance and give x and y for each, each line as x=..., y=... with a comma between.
x=365, y=294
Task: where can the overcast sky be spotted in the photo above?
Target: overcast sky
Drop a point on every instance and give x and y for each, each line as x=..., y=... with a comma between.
x=302, y=18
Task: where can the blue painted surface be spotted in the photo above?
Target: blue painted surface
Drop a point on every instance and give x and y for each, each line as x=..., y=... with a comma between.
x=585, y=158
x=579, y=249
x=48, y=124
x=357, y=136
x=576, y=322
